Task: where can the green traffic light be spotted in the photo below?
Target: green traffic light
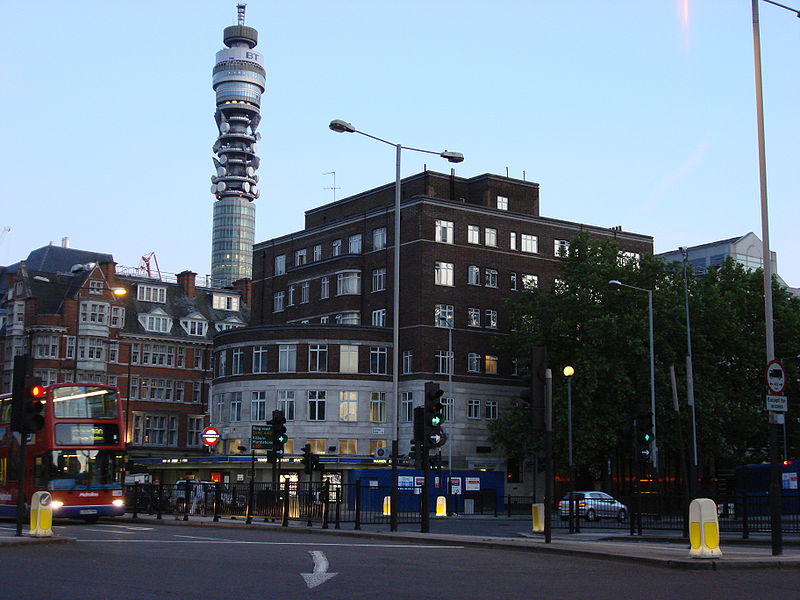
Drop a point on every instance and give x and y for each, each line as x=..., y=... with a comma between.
x=283, y=438
x=436, y=420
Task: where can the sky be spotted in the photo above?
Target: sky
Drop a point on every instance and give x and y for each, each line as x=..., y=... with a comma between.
x=625, y=112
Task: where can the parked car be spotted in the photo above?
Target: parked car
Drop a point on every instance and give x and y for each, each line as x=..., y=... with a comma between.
x=592, y=506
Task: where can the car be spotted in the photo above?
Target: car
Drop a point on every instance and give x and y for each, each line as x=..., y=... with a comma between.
x=592, y=506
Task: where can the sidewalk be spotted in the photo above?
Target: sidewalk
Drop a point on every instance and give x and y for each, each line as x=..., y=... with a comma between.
x=513, y=534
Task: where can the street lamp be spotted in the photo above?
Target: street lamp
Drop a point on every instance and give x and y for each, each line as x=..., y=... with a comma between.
x=775, y=418
x=341, y=126
x=653, y=445
x=689, y=372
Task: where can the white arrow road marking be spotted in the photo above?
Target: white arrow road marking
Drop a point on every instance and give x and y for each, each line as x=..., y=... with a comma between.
x=320, y=574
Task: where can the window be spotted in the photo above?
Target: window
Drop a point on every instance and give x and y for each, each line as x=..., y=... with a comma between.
x=491, y=318
x=299, y=257
x=92, y=312
x=449, y=410
x=512, y=240
x=325, y=288
x=354, y=244
x=280, y=264
x=443, y=315
x=490, y=365
x=225, y=302
x=473, y=317
x=324, y=319
x=96, y=286
x=258, y=406
x=348, y=406
x=197, y=394
x=305, y=291
x=379, y=238
x=473, y=409
x=347, y=447
x=490, y=237
x=220, y=402
x=287, y=358
x=444, y=361
x=513, y=281
x=473, y=275
x=474, y=362
x=529, y=282
x=444, y=231
x=408, y=356
x=490, y=276
x=259, y=359
x=194, y=429
x=237, y=362
x=236, y=406
x=151, y=293
x=336, y=248
x=443, y=273
x=155, y=429
x=473, y=234
x=317, y=252
x=560, y=247
x=377, y=407
x=348, y=283
x=530, y=243
x=278, y=301
x=350, y=317
x=379, y=280
x=46, y=346
x=113, y=353
x=194, y=326
x=348, y=359
x=377, y=360
x=491, y=409
x=316, y=405
x=379, y=317
x=502, y=203
x=317, y=358
x=290, y=296
x=286, y=403
x=406, y=406
x=117, y=316
x=198, y=359
x=157, y=324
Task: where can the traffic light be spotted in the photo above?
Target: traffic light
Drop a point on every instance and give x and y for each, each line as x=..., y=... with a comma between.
x=644, y=432
x=27, y=404
x=308, y=459
x=278, y=430
x=415, y=453
x=433, y=417
x=532, y=395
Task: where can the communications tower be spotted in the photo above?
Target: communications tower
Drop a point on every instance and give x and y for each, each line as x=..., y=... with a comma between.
x=239, y=79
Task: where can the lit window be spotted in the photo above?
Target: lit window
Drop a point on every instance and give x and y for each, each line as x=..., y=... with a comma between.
x=530, y=243
x=348, y=406
x=502, y=203
x=490, y=364
x=443, y=273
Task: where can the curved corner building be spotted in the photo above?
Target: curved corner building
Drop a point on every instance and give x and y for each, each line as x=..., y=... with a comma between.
x=239, y=80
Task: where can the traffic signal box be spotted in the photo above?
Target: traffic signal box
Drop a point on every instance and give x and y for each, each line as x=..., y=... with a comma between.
x=278, y=431
x=27, y=404
x=433, y=436
x=643, y=433
x=532, y=395
x=307, y=460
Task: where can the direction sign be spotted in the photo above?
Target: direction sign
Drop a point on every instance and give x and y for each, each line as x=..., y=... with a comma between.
x=777, y=403
x=776, y=377
x=210, y=436
x=260, y=437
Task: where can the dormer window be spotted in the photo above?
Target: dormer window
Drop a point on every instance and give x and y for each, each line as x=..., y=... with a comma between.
x=151, y=293
x=194, y=324
x=229, y=323
x=225, y=302
x=96, y=286
x=156, y=321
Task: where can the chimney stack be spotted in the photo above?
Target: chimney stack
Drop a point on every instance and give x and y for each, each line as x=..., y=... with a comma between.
x=186, y=279
x=245, y=287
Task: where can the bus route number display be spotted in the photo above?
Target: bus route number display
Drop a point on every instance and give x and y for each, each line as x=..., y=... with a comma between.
x=86, y=434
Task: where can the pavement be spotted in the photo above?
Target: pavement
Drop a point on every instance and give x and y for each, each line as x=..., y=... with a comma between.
x=663, y=549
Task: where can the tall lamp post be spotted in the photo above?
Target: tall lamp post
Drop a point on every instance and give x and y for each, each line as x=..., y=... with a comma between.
x=775, y=419
x=689, y=373
x=568, y=373
x=653, y=445
x=340, y=126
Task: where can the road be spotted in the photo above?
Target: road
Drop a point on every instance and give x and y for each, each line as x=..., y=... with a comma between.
x=146, y=561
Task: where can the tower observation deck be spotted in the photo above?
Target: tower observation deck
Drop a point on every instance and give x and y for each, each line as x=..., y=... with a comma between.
x=239, y=79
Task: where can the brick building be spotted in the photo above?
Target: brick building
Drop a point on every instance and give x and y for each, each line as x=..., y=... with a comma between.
x=153, y=341
x=320, y=341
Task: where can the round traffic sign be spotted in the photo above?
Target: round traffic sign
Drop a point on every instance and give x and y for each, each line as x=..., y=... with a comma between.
x=210, y=436
x=776, y=377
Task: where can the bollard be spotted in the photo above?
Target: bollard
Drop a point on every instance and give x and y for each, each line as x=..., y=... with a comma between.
x=538, y=517
x=441, y=506
x=41, y=515
x=703, y=529
x=387, y=506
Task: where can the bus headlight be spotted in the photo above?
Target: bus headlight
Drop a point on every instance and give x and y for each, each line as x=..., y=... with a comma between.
x=118, y=502
x=56, y=504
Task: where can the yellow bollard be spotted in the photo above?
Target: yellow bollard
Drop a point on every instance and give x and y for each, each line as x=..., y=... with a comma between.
x=41, y=515
x=538, y=517
x=387, y=506
x=703, y=529
x=441, y=506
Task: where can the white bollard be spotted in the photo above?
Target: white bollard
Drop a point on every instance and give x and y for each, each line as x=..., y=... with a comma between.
x=703, y=529
x=387, y=506
x=441, y=506
x=41, y=515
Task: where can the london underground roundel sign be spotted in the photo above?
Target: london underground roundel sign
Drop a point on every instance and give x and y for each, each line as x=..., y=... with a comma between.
x=210, y=436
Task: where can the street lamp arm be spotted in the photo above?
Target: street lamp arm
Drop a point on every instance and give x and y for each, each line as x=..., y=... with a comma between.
x=341, y=126
x=633, y=287
x=789, y=8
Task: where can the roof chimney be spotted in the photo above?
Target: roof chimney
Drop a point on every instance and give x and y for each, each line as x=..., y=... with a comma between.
x=65, y=242
x=186, y=279
x=245, y=287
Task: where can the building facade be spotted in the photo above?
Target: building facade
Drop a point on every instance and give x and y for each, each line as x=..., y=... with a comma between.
x=239, y=79
x=319, y=346
x=83, y=321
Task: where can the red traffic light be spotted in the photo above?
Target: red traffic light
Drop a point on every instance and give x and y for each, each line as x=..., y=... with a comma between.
x=36, y=391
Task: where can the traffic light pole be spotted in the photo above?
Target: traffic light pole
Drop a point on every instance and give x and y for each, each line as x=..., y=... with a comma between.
x=425, y=504
x=18, y=387
x=548, y=455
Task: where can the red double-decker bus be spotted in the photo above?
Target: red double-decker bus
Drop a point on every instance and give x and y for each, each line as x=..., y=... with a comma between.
x=78, y=456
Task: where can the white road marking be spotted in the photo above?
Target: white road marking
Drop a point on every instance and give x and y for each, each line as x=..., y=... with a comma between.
x=131, y=527
x=197, y=537
x=224, y=541
x=320, y=574
x=107, y=531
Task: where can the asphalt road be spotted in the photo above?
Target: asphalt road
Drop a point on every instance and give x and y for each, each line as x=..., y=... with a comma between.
x=145, y=561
